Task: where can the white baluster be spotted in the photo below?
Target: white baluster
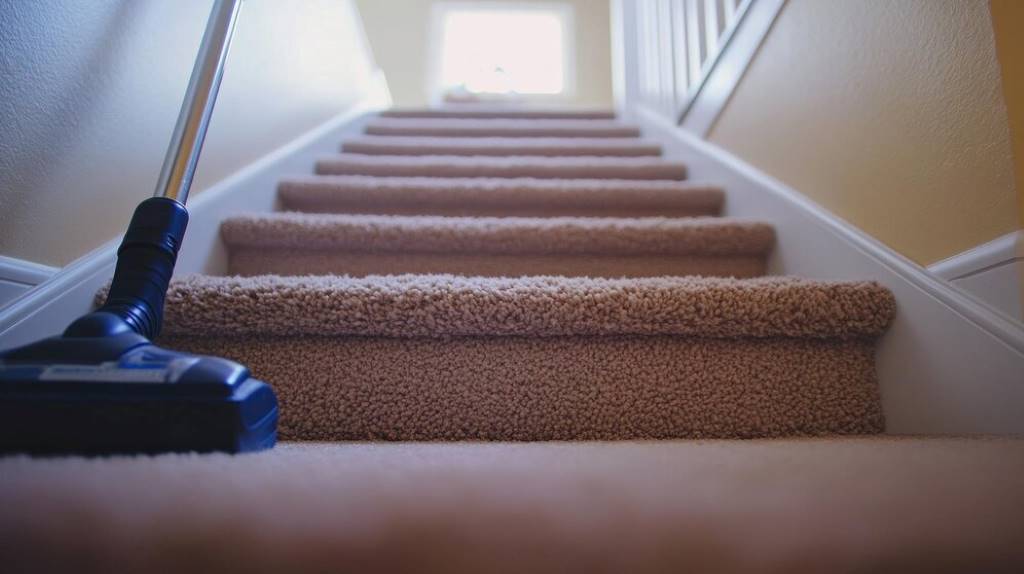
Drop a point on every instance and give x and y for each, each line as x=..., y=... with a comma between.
x=710, y=29
x=694, y=41
x=681, y=72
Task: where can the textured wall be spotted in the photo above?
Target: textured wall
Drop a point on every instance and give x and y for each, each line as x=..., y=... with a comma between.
x=1008, y=23
x=888, y=113
x=91, y=91
x=399, y=31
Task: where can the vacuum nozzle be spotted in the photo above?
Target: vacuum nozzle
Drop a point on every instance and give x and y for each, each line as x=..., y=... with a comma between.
x=145, y=263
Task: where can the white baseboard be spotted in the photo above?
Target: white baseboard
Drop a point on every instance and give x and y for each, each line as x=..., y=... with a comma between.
x=45, y=310
x=948, y=365
x=992, y=272
x=18, y=276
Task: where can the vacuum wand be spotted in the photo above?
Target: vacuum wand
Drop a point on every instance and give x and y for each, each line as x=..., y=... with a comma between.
x=146, y=257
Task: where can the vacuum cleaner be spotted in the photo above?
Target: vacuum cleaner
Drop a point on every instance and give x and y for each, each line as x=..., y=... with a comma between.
x=102, y=386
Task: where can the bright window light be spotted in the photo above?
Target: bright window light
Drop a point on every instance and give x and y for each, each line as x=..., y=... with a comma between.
x=503, y=51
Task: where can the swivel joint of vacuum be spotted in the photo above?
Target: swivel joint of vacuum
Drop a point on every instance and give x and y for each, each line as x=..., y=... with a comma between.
x=145, y=263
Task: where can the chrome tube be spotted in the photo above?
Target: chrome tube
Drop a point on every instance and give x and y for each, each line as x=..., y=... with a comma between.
x=197, y=107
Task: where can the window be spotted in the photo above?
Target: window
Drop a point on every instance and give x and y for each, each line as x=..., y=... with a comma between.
x=503, y=50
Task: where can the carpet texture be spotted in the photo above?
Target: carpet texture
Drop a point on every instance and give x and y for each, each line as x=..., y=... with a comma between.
x=546, y=358
x=385, y=145
x=878, y=505
x=558, y=388
x=442, y=306
x=525, y=166
x=563, y=295
x=490, y=112
x=300, y=243
x=514, y=197
x=547, y=128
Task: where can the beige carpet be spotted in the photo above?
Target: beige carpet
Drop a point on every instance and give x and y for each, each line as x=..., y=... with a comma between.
x=453, y=358
x=513, y=166
x=594, y=147
x=512, y=197
x=729, y=507
x=508, y=112
x=514, y=297
x=462, y=127
x=299, y=244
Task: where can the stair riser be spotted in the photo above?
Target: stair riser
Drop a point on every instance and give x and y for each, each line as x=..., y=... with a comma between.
x=468, y=209
x=503, y=114
x=503, y=132
x=502, y=151
x=560, y=388
x=267, y=261
x=674, y=172
x=498, y=198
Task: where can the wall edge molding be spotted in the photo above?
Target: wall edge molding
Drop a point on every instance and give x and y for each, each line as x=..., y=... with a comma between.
x=20, y=275
x=1001, y=250
x=24, y=271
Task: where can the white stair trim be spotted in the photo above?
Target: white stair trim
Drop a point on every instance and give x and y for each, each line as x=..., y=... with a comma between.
x=46, y=309
x=1000, y=251
x=19, y=275
x=653, y=57
x=993, y=272
x=949, y=364
x=702, y=109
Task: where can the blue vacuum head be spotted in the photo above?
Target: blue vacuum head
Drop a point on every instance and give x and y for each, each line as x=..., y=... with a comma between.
x=103, y=387
x=119, y=393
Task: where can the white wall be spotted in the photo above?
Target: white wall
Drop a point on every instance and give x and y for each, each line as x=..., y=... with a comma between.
x=91, y=90
x=889, y=114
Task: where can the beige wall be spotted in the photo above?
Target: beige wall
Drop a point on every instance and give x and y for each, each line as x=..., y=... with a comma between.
x=399, y=32
x=1008, y=23
x=91, y=91
x=890, y=113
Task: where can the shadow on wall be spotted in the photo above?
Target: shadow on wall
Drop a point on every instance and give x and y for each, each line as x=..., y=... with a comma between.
x=74, y=77
x=92, y=90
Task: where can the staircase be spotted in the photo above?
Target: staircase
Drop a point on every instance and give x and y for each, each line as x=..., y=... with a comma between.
x=542, y=276
x=566, y=286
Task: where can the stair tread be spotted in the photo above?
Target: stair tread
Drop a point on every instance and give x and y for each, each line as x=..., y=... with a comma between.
x=585, y=167
x=499, y=196
x=447, y=305
x=500, y=146
x=636, y=507
x=442, y=127
x=486, y=112
x=508, y=235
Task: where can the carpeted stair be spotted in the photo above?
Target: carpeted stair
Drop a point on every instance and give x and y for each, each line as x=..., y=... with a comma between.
x=531, y=292
x=509, y=128
x=880, y=506
x=594, y=147
x=518, y=197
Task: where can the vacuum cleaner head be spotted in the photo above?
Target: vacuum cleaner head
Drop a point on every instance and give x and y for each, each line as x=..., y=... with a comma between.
x=103, y=387
x=119, y=393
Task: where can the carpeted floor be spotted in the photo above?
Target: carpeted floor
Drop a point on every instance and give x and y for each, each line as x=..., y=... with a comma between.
x=876, y=505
